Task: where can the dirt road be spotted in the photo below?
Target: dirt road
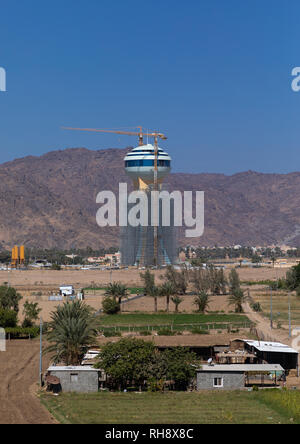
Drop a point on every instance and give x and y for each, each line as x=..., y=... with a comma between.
x=19, y=367
x=264, y=328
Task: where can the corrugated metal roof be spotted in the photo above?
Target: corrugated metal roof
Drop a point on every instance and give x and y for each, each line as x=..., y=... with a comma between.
x=275, y=347
x=242, y=368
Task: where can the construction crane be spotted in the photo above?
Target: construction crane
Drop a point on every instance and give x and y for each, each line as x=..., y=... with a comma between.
x=156, y=135
x=139, y=133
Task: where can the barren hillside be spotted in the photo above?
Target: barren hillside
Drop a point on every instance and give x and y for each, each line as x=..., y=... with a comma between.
x=50, y=201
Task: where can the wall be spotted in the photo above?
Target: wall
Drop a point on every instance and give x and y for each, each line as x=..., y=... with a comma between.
x=87, y=381
x=232, y=381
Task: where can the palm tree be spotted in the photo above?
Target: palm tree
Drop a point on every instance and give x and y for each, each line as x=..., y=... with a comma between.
x=234, y=280
x=154, y=292
x=237, y=298
x=202, y=301
x=166, y=290
x=150, y=289
x=72, y=330
x=117, y=291
x=149, y=281
x=177, y=300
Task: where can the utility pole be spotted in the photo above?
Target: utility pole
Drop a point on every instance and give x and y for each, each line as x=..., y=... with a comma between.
x=290, y=320
x=271, y=312
x=155, y=228
x=41, y=351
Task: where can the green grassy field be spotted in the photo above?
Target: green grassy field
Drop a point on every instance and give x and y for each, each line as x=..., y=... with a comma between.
x=180, y=322
x=144, y=319
x=265, y=407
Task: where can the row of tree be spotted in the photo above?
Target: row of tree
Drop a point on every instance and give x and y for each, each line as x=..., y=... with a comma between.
x=204, y=283
x=9, y=309
x=174, y=285
x=56, y=256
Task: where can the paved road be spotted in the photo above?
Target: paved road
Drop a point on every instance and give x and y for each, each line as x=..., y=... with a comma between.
x=19, y=367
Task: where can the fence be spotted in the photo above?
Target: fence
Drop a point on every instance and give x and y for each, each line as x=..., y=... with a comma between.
x=206, y=328
x=55, y=298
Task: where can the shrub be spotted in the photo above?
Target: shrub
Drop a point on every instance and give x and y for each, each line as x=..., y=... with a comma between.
x=166, y=332
x=8, y=318
x=145, y=333
x=112, y=334
x=19, y=332
x=256, y=307
x=199, y=331
x=110, y=306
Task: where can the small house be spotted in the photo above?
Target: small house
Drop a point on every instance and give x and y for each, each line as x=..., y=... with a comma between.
x=237, y=376
x=81, y=379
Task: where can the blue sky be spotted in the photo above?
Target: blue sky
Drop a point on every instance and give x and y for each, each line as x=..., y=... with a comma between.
x=214, y=75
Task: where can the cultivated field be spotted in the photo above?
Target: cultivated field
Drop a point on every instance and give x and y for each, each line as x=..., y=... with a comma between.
x=175, y=408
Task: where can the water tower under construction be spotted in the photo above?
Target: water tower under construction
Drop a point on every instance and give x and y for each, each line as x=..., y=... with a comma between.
x=149, y=245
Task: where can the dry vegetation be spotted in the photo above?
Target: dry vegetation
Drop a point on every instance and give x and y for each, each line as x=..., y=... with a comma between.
x=37, y=285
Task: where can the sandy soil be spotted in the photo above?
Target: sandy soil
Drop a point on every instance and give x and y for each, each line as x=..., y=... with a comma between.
x=34, y=279
x=146, y=304
x=46, y=282
x=217, y=303
x=18, y=375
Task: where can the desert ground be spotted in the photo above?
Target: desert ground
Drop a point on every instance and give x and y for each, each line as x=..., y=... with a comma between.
x=19, y=367
x=82, y=278
x=145, y=304
x=37, y=285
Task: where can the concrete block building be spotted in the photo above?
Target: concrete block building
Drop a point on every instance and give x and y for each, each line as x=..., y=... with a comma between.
x=81, y=379
x=233, y=377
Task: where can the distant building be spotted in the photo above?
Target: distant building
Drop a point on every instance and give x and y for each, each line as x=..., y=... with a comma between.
x=112, y=259
x=66, y=290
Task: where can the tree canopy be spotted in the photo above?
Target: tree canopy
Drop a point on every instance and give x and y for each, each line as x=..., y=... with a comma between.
x=138, y=362
x=72, y=330
x=9, y=298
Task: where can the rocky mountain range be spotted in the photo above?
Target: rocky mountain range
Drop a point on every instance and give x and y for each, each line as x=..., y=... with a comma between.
x=50, y=201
